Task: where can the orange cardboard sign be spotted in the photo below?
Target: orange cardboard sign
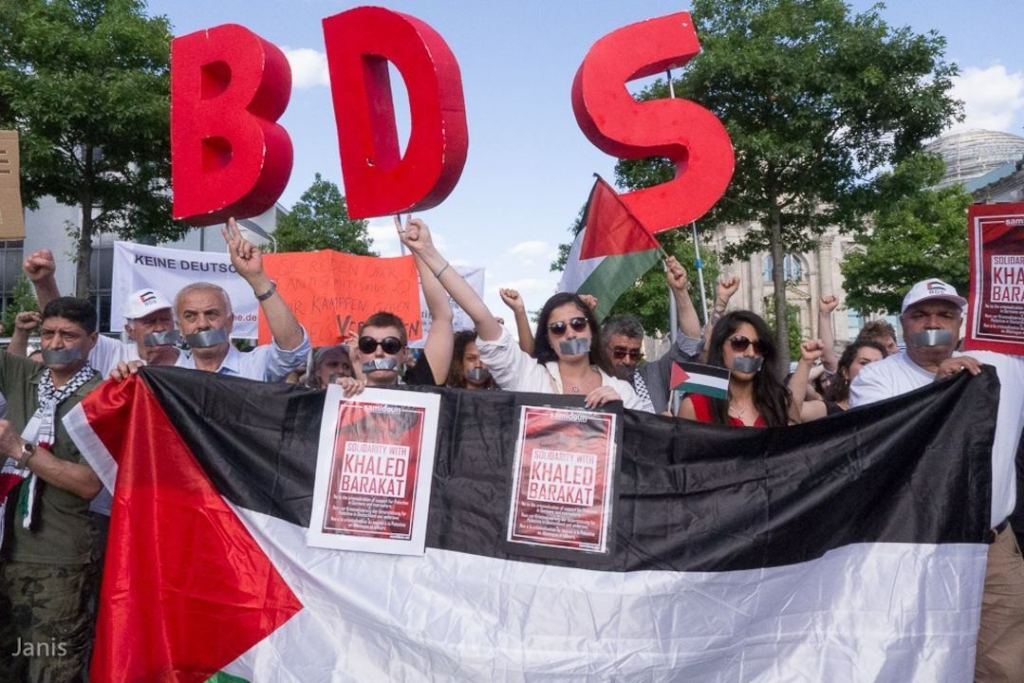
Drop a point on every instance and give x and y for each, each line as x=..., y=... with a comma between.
x=323, y=287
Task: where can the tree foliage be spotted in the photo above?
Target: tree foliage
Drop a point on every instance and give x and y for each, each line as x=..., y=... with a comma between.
x=85, y=83
x=319, y=220
x=23, y=298
x=918, y=233
x=648, y=298
x=818, y=101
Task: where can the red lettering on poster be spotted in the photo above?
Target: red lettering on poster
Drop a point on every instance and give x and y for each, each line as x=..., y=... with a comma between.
x=681, y=130
x=228, y=156
x=378, y=179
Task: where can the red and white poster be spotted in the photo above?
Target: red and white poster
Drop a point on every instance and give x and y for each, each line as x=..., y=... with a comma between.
x=562, y=493
x=995, y=319
x=374, y=469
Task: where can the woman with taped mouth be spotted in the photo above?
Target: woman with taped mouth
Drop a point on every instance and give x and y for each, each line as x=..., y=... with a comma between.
x=742, y=342
x=567, y=354
x=468, y=370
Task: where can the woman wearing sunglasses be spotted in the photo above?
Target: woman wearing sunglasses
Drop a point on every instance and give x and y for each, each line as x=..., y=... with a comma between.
x=567, y=346
x=742, y=342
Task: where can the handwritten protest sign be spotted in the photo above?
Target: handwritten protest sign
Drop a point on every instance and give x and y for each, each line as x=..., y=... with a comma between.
x=12, y=219
x=323, y=286
x=995, y=319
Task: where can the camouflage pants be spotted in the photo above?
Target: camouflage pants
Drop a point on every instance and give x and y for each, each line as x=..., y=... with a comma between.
x=46, y=624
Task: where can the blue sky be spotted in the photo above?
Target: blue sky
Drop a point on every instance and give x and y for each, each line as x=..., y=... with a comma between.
x=529, y=167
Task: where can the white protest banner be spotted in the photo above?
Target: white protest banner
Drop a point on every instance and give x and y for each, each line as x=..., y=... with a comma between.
x=138, y=266
x=474, y=275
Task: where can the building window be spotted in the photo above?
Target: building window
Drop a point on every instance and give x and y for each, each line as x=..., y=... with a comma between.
x=792, y=268
x=101, y=275
x=854, y=323
x=12, y=253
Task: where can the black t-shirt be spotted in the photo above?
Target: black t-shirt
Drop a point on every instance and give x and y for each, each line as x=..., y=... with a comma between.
x=421, y=374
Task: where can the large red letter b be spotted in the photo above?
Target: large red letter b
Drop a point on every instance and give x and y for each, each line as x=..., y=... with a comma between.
x=228, y=156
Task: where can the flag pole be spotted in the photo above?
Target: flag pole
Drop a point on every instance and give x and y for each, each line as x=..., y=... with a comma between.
x=673, y=323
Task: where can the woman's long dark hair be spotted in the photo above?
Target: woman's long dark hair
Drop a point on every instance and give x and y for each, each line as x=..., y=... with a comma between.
x=771, y=397
x=838, y=389
x=542, y=350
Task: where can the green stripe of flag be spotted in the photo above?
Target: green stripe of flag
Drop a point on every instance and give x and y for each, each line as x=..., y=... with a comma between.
x=614, y=276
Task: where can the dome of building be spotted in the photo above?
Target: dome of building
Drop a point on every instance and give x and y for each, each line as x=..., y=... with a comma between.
x=970, y=154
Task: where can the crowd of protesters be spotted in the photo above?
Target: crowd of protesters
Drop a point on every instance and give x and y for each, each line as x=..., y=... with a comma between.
x=54, y=522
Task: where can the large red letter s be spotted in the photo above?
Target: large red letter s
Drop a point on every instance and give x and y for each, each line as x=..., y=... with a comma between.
x=378, y=181
x=228, y=156
x=685, y=132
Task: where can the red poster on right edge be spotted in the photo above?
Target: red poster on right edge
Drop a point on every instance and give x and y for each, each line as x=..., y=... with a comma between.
x=995, y=318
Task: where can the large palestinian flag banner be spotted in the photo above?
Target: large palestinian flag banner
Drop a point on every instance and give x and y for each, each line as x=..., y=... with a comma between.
x=847, y=549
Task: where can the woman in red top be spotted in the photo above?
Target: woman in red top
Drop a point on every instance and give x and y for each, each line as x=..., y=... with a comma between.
x=742, y=342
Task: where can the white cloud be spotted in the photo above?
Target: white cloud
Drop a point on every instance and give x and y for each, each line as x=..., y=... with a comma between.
x=992, y=97
x=309, y=67
x=530, y=248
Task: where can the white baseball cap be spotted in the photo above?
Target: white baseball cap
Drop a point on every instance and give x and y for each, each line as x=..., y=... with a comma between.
x=143, y=302
x=928, y=290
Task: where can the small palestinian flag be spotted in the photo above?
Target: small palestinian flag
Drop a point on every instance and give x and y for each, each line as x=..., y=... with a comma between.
x=612, y=251
x=696, y=378
x=733, y=554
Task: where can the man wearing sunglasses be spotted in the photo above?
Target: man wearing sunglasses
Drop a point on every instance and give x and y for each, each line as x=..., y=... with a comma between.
x=624, y=336
x=382, y=353
x=931, y=318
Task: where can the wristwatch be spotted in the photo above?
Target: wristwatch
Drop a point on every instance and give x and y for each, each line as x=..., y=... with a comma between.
x=28, y=449
x=269, y=293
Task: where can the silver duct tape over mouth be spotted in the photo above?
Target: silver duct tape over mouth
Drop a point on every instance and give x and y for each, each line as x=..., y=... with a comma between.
x=931, y=338
x=478, y=374
x=747, y=363
x=206, y=338
x=574, y=347
x=380, y=364
x=61, y=356
x=168, y=338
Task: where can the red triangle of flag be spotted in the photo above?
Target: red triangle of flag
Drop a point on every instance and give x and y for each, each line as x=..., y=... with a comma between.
x=678, y=376
x=610, y=228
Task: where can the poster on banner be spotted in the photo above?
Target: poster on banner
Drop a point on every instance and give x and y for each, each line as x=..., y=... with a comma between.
x=139, y=266
x=374, y=469
x=460, y=320
x=995, y=319
x=563, y=489
x=324, y=287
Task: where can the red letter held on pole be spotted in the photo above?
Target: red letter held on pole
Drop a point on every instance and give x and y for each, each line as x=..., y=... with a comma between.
x=228, y=156
x=378, y=181
x=688, y=134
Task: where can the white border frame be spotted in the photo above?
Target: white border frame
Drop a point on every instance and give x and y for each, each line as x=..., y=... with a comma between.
x=415, y=545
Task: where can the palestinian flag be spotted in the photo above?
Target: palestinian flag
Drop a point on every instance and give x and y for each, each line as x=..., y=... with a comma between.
x=612, y=251
x=850, y=548
x=697, y=378
x=10, y=477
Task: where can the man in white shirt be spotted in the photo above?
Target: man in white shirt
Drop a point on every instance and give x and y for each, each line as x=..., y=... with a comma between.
x=205, y=317
x=931, y=317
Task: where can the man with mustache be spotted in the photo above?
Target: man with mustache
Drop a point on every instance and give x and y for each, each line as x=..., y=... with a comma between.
x=931, y=317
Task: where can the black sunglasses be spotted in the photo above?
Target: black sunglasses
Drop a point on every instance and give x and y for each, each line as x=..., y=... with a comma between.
x=740, y=344
x=620, y=352
x=390, y=345
x=577, y=324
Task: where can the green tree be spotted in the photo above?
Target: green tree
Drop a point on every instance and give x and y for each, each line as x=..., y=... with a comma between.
x=648, y=298
x=23, y=298
x=818, y=101
x=919, y=232
x=793, y=332
x=85, y=82
x=319, y=220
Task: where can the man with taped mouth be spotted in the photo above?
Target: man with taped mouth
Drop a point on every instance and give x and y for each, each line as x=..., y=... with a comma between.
x=931, y=317
x=149, y=321
x=204, y=314
x=51, y=542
